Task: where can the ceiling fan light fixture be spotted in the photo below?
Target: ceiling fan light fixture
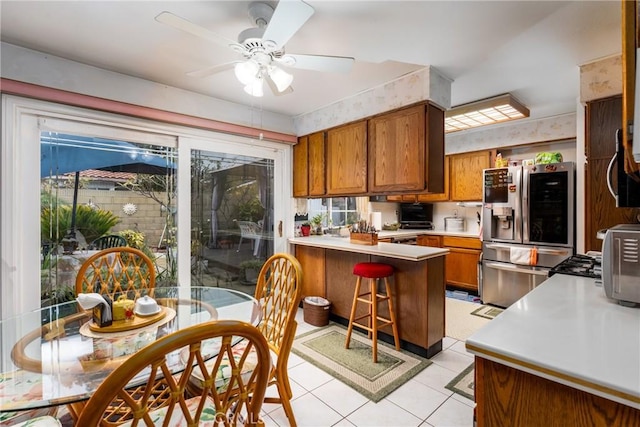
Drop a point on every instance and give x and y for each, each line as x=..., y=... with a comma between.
x=281, y=78
x=254, y=88
x=247, y=72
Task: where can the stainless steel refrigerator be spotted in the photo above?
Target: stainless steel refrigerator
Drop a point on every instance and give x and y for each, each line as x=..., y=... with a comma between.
x=528, y=227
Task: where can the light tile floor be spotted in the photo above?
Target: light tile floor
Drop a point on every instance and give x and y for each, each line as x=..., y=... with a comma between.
x=321, y=400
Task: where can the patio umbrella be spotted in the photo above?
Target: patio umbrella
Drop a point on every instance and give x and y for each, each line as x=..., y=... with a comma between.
x=61, y=153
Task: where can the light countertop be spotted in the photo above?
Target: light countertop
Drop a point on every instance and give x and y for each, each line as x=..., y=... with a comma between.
x=566, y=330
x=389, y=250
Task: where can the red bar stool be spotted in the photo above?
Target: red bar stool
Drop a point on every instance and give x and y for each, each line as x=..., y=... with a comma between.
x=373, y=271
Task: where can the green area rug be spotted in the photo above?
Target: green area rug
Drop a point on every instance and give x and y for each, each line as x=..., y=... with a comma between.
x=487, y=311
x=463, y=383
x=324, y=348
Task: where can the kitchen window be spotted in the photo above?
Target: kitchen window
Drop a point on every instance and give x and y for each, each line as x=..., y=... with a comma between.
x=335, y=211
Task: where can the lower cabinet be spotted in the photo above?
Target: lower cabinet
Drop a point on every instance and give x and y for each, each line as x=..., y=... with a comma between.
x=313, y=265
x=461, y=264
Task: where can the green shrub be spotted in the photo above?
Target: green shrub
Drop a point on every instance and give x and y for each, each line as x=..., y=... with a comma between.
x=135, y=239
x=92, y=223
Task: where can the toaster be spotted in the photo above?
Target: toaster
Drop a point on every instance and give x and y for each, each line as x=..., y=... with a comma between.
x=621, y=263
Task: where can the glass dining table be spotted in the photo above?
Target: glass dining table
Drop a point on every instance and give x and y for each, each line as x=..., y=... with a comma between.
x=56, y=355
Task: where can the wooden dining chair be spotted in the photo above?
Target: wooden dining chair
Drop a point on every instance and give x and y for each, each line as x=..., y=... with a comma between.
x=278, y=290
x=228, y=398
x=114, y=271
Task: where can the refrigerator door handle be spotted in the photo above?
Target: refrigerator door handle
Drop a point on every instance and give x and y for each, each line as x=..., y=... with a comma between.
x=557, y=252
x=498, y=247
x=514, y=269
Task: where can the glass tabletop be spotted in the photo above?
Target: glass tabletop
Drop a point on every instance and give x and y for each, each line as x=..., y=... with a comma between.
x=55, y=355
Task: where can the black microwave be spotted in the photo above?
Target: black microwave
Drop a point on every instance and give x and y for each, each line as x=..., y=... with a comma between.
x=625, y=188
x=412, y=215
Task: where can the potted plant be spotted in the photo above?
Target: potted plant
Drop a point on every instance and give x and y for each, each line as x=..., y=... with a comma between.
x=305, y=229
x=250, y=269
x=316, y=222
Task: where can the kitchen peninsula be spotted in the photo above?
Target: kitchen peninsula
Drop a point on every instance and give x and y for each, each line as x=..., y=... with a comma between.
x=562, y=355
x=418, y=285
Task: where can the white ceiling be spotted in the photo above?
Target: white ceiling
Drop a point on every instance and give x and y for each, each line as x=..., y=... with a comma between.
x=532, y=49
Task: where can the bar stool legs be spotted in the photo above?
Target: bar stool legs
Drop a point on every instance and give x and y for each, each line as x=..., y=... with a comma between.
x=373, y=271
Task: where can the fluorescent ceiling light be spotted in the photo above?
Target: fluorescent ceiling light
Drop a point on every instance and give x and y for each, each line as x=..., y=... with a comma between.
x=484, y=112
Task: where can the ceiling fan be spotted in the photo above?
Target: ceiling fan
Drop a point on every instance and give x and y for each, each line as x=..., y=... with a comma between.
x=263, y=47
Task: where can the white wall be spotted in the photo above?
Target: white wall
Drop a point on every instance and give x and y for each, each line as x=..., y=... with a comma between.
x=29, y=66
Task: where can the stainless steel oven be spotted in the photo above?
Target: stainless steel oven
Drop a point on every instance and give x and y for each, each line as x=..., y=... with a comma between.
x=528, y=228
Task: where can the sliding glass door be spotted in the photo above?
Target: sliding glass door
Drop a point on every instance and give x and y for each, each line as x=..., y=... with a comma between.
x=211, y=212
x=234, y=217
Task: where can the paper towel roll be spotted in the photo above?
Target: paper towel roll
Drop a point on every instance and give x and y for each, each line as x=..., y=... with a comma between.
x=375, y=219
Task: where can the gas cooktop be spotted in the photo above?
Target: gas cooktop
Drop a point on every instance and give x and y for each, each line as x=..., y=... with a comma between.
x=579, y=265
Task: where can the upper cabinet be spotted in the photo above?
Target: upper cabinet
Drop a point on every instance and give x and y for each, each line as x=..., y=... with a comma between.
x=442, y=196
x=406, y=150
x=346, y=159
x=465, y=174
x=309, y=166
x=301, y=167
x=401, y=151
x=317, y=181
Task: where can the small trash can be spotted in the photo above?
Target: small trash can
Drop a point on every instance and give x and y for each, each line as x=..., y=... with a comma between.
x=316, y=311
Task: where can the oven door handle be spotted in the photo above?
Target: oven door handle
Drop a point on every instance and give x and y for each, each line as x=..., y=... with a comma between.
x=561, y=252
x=508, y=267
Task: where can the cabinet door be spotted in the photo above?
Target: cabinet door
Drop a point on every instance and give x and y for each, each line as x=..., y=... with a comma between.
x=347, y=159
x=466, y=174
x=438, y=197
x=397, y=151
x=317, y=170
x=313, y=264
x=429, y=240
x=603, y=118
x=300, y=167
x=462, y=268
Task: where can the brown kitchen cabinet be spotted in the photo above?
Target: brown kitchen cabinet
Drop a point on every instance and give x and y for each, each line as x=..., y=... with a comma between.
x=603, y=117
x=301, y=167
x=465, y=174
x=461, y=263
x=406, y=150
x=309, y=166
x=429, y=240
x=438, y=196
x=405, y=198
x=312, y=261
x=346, y=159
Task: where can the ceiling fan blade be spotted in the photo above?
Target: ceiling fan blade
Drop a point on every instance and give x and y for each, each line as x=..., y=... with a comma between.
x=330, y=64
x=274, y=88
x=288, y=17
x=182, y=24
x=209, y=71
